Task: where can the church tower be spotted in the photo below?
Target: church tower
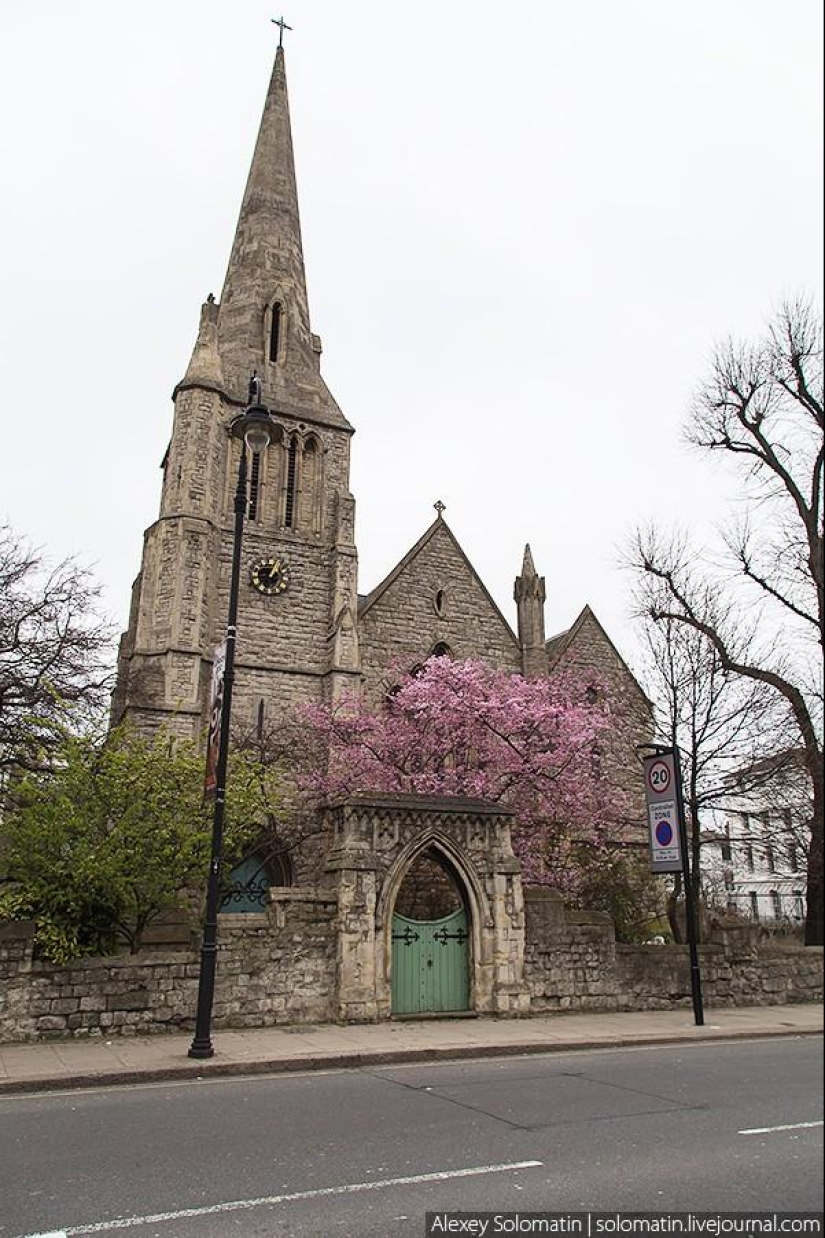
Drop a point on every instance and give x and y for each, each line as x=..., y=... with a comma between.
x=297, y=641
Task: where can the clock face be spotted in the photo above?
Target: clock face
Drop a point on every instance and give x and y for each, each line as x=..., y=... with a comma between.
x=270, y=575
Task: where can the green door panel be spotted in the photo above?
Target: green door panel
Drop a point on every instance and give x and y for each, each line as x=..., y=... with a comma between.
x=430, y=964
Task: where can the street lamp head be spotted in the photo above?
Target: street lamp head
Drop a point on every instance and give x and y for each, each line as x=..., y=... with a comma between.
x=256, y=433
x=255, y=426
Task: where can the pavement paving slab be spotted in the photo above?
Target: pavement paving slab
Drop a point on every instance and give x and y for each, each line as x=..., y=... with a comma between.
x=96, y=1061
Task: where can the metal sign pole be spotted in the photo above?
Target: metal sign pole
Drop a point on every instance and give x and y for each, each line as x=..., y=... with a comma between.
x=668, y=843
x=690, y=906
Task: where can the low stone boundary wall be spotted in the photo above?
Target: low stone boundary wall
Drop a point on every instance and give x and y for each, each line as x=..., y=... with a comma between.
x=277, y=966
x=280, y=967
x=572, y=962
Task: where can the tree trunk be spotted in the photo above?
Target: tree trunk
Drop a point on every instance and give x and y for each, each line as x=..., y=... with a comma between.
x=813, y=921
x=673, y=910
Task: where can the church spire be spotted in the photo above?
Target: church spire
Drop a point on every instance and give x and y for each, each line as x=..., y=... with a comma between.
x=529, y=593
x=264, y=311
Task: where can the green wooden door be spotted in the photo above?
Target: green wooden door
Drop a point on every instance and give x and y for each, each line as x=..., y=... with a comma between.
x=430, y=971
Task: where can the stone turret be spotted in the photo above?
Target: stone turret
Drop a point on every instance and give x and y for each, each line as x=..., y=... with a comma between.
x=529, y=593
x=204, y=369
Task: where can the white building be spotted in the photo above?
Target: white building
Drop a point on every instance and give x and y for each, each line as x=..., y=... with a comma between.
x=755, y=855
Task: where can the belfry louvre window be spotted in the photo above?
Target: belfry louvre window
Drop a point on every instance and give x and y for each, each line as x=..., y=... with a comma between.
x=291, y=471
x=275, y=331
x=306, y=514
x=254, y=485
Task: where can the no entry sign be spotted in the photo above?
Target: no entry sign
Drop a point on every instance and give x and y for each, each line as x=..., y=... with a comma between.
x=662, y=813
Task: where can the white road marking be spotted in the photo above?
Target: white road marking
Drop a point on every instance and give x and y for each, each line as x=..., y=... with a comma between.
x=768, y=1130
x=234, y=1205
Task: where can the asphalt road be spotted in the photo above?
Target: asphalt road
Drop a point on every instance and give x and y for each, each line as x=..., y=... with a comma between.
x=351, y=1153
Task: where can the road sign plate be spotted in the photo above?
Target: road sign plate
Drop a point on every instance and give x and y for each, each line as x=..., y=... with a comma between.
x=662, y=813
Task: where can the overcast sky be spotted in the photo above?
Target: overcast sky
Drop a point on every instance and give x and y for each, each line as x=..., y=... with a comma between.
x=525, y=225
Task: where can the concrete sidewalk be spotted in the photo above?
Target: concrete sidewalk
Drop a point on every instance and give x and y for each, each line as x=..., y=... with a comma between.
x=94, y=1062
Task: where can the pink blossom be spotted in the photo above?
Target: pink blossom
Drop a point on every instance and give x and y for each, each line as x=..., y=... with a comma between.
x=461, y=729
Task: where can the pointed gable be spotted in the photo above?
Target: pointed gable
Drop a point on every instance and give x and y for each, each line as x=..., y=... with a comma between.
x=433, y=598
x=586, y=647
x=586, y=644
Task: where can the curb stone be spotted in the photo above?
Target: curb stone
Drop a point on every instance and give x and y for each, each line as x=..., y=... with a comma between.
x=204, y=1071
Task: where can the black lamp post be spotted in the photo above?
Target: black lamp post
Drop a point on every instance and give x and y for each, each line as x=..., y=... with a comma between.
x=254, y=431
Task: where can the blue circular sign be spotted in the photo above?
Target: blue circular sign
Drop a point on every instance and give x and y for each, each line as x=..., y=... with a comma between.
x=664, y=834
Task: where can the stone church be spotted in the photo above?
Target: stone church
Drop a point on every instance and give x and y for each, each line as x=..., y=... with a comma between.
x=357, y=939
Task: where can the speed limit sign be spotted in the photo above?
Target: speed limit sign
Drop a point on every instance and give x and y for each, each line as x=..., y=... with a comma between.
x=662, y=813
x=660, y=775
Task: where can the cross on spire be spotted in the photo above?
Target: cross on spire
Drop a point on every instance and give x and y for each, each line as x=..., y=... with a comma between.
x=279, y=21
x=439, y=507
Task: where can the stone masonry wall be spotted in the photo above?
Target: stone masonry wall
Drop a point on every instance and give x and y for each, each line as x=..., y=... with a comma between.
x=402, y=626
x=276, y=967
x=616, y=762
x=280, y=967
x=572, y=962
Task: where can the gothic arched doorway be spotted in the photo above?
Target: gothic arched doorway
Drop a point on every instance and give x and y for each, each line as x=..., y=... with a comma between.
x=430, y=940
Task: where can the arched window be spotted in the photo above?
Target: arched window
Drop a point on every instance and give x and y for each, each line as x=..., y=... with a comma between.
x=291, y=478
x=246, y=887
x=309, y=486
x=254, y=485
x=441, y=650
x=275, y=324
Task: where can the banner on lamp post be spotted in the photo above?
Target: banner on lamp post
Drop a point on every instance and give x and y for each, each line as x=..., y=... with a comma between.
x=213, y=741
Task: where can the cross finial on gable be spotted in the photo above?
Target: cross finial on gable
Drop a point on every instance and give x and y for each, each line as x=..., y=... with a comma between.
x=439, y=507
x=279, y=21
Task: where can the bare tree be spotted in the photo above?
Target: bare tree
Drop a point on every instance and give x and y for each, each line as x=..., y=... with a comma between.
x=723, y=726
x=55, y=652
x=763, y=613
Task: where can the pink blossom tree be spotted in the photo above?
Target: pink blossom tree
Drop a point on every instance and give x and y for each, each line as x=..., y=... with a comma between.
x=461, y=729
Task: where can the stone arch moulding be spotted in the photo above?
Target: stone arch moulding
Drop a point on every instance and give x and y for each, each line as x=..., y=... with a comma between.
x=472, y=890
x=375, y=840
